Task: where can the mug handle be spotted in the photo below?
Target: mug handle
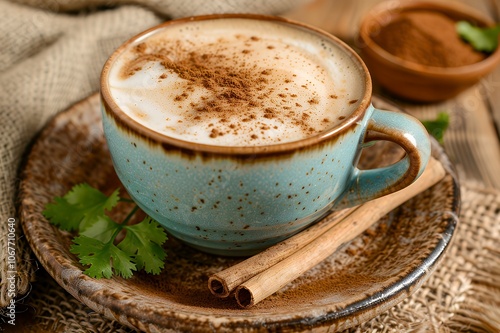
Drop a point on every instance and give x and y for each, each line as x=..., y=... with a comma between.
x=409, y=134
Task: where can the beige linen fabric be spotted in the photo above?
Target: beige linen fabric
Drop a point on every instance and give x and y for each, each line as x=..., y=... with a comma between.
x=176, y=8
x=48, y=61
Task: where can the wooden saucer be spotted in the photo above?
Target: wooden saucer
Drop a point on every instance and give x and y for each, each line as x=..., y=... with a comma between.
x=361, y=280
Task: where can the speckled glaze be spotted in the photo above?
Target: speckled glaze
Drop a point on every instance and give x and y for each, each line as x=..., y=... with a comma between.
x=240, y=200
x=364, y=278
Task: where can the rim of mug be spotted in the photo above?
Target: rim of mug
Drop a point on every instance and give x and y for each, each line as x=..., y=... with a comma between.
x=110, y=106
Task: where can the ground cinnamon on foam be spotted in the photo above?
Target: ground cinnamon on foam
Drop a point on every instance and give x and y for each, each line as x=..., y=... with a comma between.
x=233, y=86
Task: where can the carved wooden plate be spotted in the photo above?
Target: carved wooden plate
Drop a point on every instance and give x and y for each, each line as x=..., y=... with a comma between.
x=371, y=274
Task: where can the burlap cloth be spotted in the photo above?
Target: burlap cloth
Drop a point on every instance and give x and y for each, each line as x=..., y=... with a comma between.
x=51, y=54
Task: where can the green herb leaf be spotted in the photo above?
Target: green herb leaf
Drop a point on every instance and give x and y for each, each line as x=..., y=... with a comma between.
x=102, y=229
x=80, y=207
x=437, y=127
x=481, y=39
x=104, y=258
x=143, y=242
x=83, y=209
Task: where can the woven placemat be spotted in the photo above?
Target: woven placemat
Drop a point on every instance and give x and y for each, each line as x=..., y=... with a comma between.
x=462, y=295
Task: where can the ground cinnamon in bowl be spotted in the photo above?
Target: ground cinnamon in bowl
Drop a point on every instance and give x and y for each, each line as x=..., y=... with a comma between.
x=414, y=51
x=427, y=38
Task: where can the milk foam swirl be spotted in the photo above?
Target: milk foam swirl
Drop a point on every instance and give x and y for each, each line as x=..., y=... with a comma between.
x=235, y=82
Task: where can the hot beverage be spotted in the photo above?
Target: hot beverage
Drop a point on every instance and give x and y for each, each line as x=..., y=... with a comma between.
x=237, y=131
x=236, y=82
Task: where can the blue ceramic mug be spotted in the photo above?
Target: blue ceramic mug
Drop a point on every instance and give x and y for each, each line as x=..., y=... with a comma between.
x=238, y=200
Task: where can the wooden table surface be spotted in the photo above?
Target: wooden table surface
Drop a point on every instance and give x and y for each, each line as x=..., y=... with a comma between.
x=472, y=139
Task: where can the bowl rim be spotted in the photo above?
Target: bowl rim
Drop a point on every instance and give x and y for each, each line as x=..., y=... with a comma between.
x=385, y=12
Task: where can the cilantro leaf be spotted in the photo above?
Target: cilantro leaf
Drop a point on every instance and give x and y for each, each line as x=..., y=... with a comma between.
x=63, y=214
x=481, y=39
x=437, y=127
x=83, y=209
x=143, y=242
x=102, y=229
x=80, y=207
x=103, y=258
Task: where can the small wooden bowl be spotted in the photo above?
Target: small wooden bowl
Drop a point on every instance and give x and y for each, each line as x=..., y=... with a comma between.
x=411, y=80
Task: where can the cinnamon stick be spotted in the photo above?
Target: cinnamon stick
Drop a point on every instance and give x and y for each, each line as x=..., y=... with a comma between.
x=343, y=229
x=221, y=284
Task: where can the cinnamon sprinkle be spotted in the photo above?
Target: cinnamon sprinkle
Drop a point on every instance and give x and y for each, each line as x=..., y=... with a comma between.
x=234, y=86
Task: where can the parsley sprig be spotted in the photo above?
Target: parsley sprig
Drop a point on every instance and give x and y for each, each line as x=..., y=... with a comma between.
x=437, y=127
x=83, y=209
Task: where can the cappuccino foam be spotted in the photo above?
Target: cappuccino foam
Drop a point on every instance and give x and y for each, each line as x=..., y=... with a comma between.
x=236, y=82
